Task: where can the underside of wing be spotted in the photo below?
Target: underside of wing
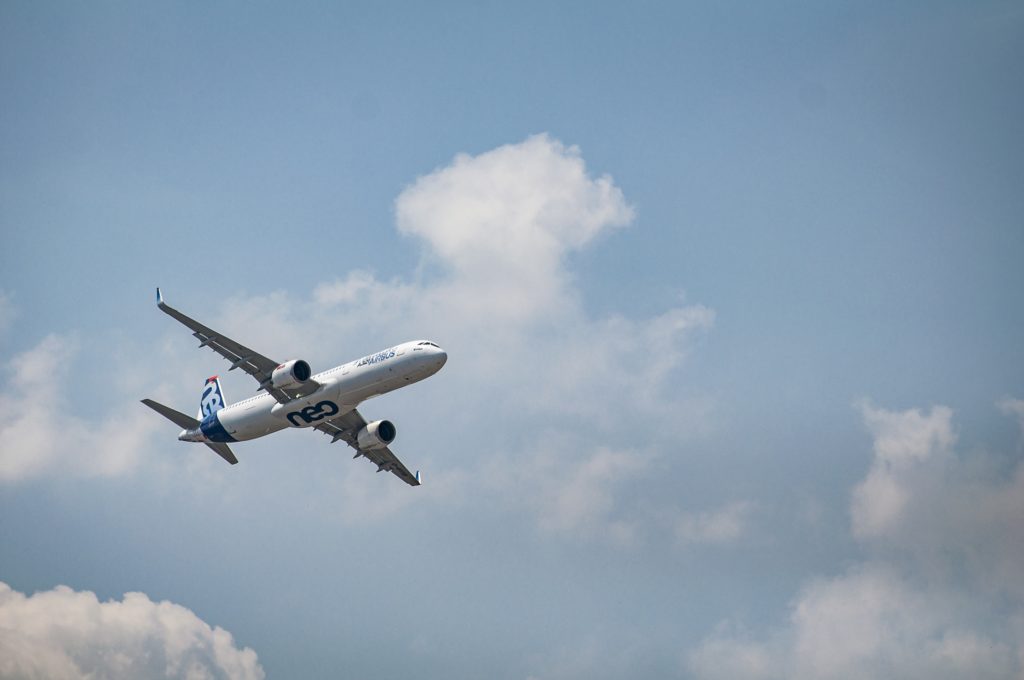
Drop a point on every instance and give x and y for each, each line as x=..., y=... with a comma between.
x=346, y=428
x=240, y=356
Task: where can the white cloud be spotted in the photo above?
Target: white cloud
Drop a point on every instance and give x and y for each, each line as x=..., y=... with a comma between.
x=527, y=362
x=364, y=496
x=573, y=492
x=1014, y=407
x=589, y=493
x=947, y=512
x=902, y=442
x=504, y=220
x=583, y=493
x=855, y=623
x=728, y=655
x=943, y=593
x=867, y=623
x=39, y=429
x=725, y=525
x=65, y=634
x=525, y=358
x=905, y=437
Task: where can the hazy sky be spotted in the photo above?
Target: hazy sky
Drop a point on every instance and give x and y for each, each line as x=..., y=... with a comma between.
x=731, y=294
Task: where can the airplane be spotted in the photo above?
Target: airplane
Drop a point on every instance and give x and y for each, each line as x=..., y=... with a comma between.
x=294, y=397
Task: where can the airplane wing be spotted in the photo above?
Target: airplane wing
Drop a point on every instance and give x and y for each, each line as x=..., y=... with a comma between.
x=240, y=356
x=347, y=427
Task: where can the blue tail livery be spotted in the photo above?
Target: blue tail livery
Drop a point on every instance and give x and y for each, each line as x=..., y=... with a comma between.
x=212, y=399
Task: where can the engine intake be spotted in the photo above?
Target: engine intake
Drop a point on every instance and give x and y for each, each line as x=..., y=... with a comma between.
x=376, y=435
x=290, y=374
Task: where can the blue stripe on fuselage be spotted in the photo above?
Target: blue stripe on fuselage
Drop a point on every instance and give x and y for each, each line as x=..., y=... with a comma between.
x=213, y=430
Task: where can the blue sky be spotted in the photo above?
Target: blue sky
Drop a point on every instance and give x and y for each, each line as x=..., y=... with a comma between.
x=730, y=292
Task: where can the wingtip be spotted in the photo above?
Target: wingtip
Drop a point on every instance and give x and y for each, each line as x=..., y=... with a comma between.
x=159, y=296
x=418, y=480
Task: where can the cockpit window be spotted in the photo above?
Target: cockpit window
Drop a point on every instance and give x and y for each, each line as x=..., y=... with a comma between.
x=428, y=343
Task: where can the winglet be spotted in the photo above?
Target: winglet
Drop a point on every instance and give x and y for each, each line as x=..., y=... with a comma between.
x=159, y=297
x=418, y=480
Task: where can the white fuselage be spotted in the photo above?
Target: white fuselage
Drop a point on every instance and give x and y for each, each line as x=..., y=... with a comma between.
x=342, y=389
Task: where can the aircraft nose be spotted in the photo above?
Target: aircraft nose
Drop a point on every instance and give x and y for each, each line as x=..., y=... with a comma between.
x=442, y=357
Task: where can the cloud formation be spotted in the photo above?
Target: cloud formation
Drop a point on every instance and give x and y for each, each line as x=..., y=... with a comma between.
x=867, y=623
x=66, y=634
x=580, y=500
x=923, y=504
x=724, y=525
x=1014, y=407
x=941, y=594
x=903, y=442
x=505, y=219
x=528, y=363
x=42, y=435
x=525, y=356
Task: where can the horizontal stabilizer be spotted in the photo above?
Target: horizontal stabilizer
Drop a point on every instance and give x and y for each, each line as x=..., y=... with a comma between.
x=185, y=422
x=177, y=417
x=223, y=451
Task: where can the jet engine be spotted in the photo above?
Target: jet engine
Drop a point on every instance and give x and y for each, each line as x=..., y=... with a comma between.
x=376, y=435
x=290, y=374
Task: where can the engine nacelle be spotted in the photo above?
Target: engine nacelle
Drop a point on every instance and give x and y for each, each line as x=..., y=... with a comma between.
x=376, y=435
x=290, y=374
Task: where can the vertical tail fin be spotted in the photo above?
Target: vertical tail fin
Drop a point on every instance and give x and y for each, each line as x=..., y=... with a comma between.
x=212, y=399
